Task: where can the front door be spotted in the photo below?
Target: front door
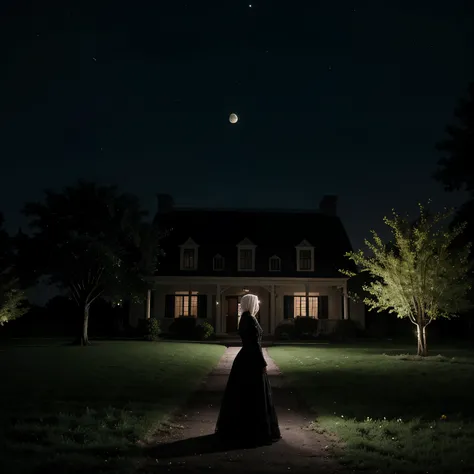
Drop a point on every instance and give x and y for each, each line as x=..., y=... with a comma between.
x=233, y=308
x=232, y=314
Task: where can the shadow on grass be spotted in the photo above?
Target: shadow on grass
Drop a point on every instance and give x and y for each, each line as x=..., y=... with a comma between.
x=195, y=446
x=206, y=444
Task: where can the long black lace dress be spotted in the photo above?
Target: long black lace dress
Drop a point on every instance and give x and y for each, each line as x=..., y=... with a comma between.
x=247, y=415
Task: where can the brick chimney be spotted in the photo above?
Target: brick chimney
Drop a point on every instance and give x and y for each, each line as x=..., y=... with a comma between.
x=328, y=205
x=165, y=203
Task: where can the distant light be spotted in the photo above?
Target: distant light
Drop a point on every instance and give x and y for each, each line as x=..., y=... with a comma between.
x=217, y=302
x=250, y=6
x=233, y=118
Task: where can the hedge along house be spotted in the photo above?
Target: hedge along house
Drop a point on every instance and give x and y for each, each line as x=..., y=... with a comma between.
x=289, y=259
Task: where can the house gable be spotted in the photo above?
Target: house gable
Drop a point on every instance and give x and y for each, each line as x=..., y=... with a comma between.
x=189, y=243
x=246, y=243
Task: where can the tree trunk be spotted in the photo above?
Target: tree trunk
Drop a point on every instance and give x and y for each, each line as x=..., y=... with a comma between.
x=425, y=346
x=421, y=336
x=85, y=327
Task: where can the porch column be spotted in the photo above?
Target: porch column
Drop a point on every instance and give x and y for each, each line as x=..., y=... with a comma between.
x=307, y=299
x=148, y=304
x=272, y=310
x=345, y=314
x=218, y=310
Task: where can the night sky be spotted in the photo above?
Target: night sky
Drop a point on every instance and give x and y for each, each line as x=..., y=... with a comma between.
x=340, y=97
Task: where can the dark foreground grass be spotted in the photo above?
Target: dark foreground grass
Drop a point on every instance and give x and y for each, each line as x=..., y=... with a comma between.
x=391, y=411
x=72, y=409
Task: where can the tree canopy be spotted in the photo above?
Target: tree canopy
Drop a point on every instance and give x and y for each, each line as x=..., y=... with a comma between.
x=455, y=170
x=419, y=275
x=12, y=297
x=92, y=241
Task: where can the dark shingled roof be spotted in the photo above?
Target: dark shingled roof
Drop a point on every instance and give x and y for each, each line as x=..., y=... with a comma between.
x=218, y=231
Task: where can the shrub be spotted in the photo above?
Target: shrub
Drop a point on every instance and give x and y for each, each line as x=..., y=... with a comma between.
x=204, y=331
x=285, y=331
x=344, y=330
x=306, y=327
x=183, y=328
x=152, y=332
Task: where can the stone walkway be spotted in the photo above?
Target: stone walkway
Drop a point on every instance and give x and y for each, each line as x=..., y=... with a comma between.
x=189, y=445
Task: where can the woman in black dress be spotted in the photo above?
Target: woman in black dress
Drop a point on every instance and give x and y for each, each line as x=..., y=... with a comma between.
x=247, y=415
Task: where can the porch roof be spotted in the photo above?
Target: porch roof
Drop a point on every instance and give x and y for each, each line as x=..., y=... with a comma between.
x=245, y=281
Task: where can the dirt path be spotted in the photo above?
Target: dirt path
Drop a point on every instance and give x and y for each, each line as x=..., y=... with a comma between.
x=191, y=447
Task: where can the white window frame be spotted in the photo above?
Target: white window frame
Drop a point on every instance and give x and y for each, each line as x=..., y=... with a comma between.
x=188, y=245
x=246, y=244
x=274, y=258
x=189, y=297
x=304, y=245
x=313, y=301
x=218, y=256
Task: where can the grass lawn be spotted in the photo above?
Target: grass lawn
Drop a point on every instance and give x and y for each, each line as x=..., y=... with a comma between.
x=391, y=412
x=71, y=409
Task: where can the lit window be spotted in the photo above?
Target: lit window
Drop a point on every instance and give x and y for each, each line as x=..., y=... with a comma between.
x=300, y=306
x=186, y=304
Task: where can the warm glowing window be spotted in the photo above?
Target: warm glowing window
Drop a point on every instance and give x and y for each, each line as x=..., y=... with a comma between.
x=186, y=304
x=300, y=306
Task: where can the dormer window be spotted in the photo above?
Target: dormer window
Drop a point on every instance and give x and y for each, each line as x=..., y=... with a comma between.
x=246, y=256
x=275, y=264
x=189, y=255
x=305, y=257
x=218, y=263
x=189, y=259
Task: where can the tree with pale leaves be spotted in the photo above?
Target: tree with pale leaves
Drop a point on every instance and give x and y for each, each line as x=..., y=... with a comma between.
x=419, y=275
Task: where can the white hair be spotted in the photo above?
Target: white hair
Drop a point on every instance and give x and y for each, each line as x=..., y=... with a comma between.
x=249, y=303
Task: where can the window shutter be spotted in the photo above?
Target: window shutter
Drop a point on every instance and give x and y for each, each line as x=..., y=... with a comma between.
x=202, y=306
x=323, y=311
x=289, y=307
x=169, y=306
